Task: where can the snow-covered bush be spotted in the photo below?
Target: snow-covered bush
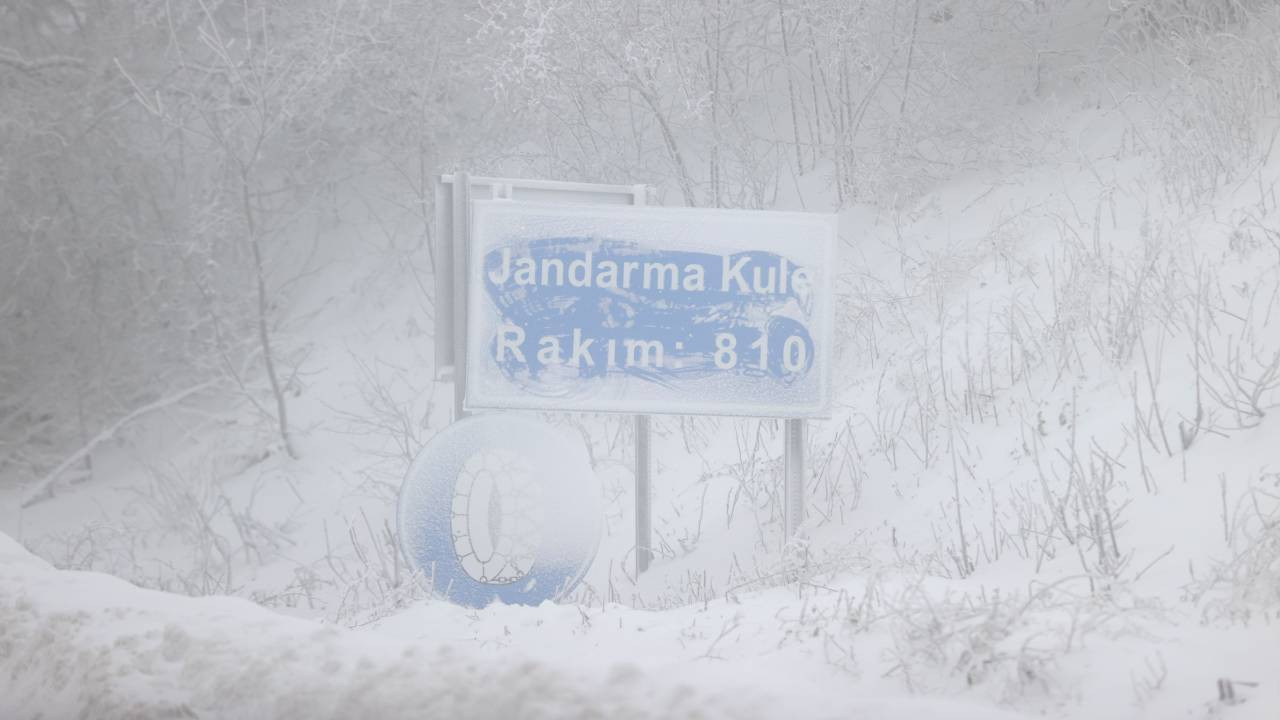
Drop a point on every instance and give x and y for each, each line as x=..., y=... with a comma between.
x=731, y=104
x=1244, y=586
x=1206, y=73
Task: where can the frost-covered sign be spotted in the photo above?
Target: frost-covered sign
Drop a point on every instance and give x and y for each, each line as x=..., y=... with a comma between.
x=649, y=310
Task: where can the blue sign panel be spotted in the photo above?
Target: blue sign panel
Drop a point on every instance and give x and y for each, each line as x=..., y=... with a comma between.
x=649, y=310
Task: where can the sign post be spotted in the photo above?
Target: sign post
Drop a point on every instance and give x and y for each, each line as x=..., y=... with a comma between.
x=644, y=496
x=644, y=466
x=795, y=472
x=461, y=245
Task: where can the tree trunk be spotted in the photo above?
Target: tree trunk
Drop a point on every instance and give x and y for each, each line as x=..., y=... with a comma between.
x=264, y=336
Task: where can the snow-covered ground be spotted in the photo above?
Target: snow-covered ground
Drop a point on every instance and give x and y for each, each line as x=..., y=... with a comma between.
x=80, y=644
x=83, y=644
x=1051, y=487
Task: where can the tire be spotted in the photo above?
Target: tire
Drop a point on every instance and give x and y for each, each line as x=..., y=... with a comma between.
x=570, y=519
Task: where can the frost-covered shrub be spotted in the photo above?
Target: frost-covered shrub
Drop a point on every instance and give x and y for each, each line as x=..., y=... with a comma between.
x=1008, y=644
x=1247, y=583
x=1209, y=71
x=1156, y=20
x=730, y=104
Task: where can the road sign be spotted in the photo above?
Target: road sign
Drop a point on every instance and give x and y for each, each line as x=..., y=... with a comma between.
x=709, y=311
x=649, y=310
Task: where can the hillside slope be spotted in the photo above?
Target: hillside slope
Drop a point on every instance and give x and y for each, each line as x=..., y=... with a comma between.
x=1051, y=486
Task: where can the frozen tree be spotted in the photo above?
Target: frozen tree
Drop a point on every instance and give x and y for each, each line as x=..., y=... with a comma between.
x=161, y=192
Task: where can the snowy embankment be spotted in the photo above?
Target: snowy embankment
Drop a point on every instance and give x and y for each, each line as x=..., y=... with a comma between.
x=954, y=567
x=90, y=645
x=1049, y=486
x=891, y=610
x=79, y=644
x=82, y=644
